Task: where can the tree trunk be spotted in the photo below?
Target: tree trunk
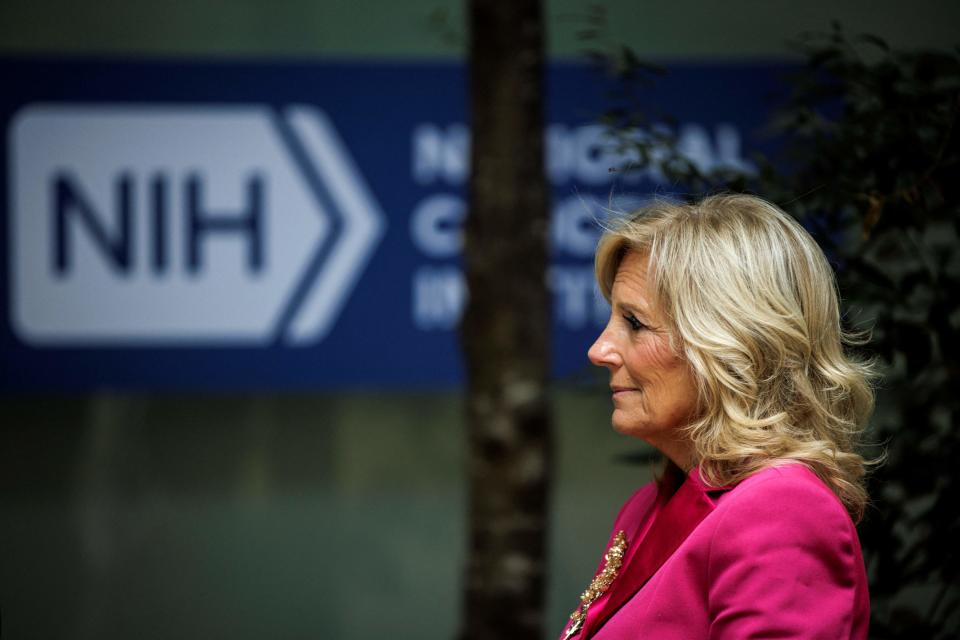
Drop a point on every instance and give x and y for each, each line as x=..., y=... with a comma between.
x=505, y=330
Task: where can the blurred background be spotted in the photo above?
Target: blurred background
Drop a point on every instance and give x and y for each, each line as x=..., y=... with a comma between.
x=241, y=414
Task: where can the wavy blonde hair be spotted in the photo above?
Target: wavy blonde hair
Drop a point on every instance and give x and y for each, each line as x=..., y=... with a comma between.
x=753, y=308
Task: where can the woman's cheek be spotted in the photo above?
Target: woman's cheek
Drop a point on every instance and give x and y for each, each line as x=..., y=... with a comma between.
x=657, y=355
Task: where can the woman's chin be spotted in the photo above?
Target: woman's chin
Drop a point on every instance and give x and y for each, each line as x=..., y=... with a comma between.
x=624, y=426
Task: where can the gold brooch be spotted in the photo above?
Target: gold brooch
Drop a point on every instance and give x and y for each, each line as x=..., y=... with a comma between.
x=600, y=583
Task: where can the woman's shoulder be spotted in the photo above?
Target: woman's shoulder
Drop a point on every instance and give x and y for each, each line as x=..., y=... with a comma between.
x=788, y=498
x=782, y=559
x=793, y=479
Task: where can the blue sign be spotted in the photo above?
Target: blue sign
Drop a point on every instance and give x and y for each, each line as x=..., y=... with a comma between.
x=242, y=225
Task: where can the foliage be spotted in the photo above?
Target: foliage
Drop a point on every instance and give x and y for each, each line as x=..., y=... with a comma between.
x=870, y=136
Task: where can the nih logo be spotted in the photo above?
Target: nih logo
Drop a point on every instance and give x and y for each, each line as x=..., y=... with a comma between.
x=151, y=225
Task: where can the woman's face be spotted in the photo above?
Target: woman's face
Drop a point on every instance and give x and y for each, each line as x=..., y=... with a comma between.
x=654, y=393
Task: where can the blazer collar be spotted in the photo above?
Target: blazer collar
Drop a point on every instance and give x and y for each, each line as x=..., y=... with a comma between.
x=674, y=520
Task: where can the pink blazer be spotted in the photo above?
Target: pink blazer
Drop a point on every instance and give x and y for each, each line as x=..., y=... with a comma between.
x=775, y=556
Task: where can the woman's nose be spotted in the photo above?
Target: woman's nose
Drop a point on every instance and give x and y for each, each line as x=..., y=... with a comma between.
x=603, y=352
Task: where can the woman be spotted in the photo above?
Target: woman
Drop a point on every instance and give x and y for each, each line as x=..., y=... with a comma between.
x=725, y=352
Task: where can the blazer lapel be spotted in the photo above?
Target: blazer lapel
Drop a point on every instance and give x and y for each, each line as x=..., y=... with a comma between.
x=674, y=521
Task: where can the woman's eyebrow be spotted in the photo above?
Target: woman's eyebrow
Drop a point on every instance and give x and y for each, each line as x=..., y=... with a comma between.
x=631, y=308
x=640, y=313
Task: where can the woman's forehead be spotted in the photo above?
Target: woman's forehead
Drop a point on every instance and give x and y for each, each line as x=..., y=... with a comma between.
x=630, y=281
x=632, y=270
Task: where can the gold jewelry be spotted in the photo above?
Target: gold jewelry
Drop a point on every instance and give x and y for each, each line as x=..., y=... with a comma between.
x=600, y=583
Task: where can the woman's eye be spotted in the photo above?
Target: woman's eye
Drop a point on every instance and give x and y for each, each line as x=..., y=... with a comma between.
x=635, y=324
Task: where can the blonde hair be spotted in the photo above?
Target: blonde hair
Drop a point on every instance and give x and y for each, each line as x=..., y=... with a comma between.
x=753, y=308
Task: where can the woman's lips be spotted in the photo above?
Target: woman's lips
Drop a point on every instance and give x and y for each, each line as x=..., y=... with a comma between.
x=621, y=390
